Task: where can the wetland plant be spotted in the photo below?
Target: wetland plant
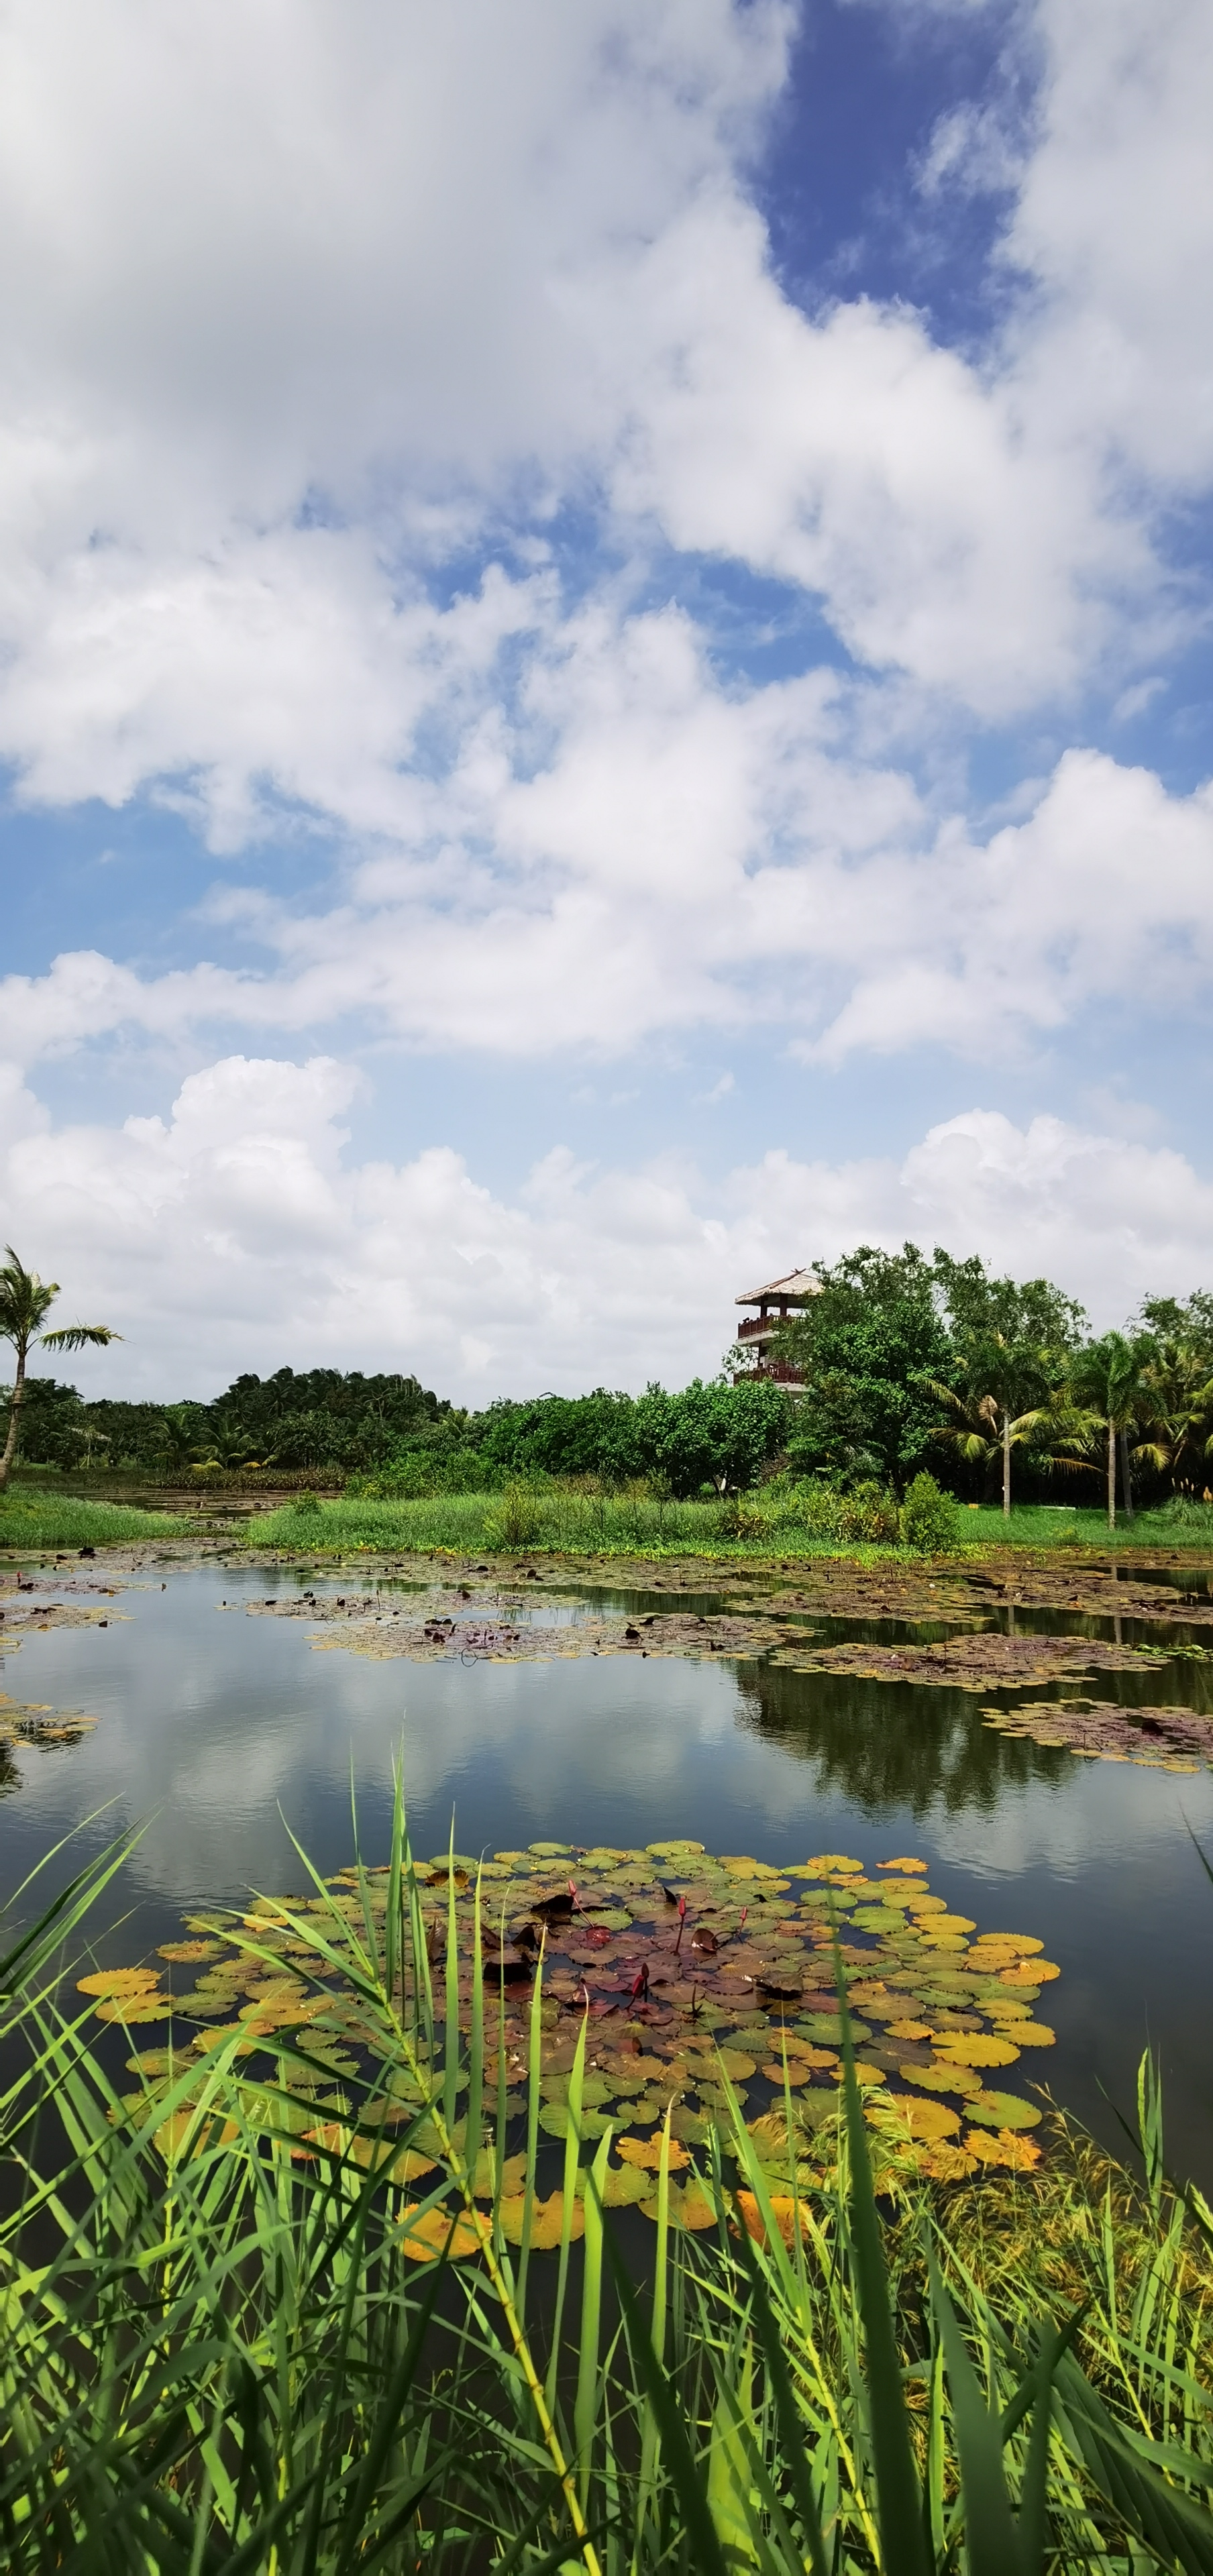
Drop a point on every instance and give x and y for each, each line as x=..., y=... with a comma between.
x=249, y=2326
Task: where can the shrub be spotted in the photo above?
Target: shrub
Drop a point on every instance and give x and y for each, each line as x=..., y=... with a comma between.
x=930, y=1519
x=866, y=1516
x=518, y=1519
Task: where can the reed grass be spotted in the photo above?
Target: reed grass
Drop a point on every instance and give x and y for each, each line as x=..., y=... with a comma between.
x=560, y=1521
x=219, y=2354
x=33, y=1521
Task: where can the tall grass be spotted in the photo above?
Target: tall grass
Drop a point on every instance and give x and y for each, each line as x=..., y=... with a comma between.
x=36, y=1520
x=222, y=2351
x=566, y=1521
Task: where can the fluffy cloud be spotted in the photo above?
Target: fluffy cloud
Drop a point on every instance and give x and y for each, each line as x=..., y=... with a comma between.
x=237, y=1234
x=685, y=857
x=298, y=306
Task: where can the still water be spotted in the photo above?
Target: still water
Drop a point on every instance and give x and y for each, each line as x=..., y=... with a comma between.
x=224, y=1735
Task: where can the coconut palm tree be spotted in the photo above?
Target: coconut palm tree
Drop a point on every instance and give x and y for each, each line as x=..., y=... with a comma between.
x=1008, y=1400
x=25, y=1302
x=1177, y=1415
x=1110, y=1383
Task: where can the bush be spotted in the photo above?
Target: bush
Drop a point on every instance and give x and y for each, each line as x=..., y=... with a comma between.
x=518, y=1519
x=930, y=1519
x=864, y=1517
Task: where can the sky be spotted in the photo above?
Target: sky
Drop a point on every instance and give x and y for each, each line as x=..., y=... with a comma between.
x=605, y=661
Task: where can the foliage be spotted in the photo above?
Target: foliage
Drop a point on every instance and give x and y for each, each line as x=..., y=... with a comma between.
x=929, y=1520
x=39, y=1521
x=709, y=1434
x=870, y=1347
x=1109, y=1388
x=241, y=2346
x=313, y=1419
x=25, y=1303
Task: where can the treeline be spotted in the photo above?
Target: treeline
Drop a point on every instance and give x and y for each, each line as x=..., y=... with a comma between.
x=908, y=1362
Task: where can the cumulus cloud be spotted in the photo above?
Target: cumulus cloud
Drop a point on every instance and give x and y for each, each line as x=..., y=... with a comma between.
x=239, y=1234
x=300, y=306
x=686, y=858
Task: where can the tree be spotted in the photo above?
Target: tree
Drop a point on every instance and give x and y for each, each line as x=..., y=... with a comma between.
x=1109, y=1381
x=869, y=1348
x=1177, y=1410
x=25, y=1302
x=1011, y=1338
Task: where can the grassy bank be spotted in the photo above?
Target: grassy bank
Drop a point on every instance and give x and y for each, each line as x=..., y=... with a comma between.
x=622, y=1525
x=36, y=1520
x=247, y=2332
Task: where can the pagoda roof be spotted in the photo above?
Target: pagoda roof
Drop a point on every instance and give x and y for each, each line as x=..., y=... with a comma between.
x=798, y=1286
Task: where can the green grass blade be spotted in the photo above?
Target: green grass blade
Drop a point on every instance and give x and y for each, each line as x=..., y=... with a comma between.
x=898, y=2496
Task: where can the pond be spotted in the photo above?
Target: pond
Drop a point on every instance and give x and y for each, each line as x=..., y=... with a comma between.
x=222, y=1728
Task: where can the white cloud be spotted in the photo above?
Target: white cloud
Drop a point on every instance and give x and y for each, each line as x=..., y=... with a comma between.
x=238, y=1235
x=299, y=304
x=680, y=858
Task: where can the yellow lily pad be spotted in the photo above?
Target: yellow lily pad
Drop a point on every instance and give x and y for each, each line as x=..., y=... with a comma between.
x=424, y=2236
x=547, y=2220
x=143, y=2005
x=647, y=2152
x=925, y=2120
x=118, y=1981
x=1018, y=2155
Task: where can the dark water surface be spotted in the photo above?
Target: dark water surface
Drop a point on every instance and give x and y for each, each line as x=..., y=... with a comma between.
x=212, y=1723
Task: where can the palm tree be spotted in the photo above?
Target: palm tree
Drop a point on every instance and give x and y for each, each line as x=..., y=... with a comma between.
x=25, y=1302
x=1110, y=1381
x=1009, y=1397
x=1177, y=1414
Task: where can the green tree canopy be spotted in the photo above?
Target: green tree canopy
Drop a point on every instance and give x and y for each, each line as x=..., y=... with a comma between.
x=870, y=1349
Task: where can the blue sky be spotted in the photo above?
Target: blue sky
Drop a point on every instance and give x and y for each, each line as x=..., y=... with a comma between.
x=605, y=666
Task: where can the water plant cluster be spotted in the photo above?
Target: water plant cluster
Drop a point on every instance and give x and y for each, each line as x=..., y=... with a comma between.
x=245, y=2330
x=704, y=1985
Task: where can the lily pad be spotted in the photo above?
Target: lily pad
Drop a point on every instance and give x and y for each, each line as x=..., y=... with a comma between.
x=1003, y=2111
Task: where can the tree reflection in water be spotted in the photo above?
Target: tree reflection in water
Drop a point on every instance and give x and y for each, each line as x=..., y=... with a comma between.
x=883, y=1746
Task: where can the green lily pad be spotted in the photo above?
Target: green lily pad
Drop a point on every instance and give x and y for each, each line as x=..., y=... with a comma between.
x=1002, y=2111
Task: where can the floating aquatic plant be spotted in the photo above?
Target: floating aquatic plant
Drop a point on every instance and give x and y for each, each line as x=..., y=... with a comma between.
x=704, y=1984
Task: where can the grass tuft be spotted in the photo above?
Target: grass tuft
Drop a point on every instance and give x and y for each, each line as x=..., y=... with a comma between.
x=248, y=2329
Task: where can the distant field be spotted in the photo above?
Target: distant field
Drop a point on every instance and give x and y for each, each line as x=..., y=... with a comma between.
x=471, y=1524
x=36, y=1520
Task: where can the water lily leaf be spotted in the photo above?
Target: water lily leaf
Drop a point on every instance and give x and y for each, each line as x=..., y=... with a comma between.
x=513, y=2174
x=625, y=2185
x=646, y=2152
x=189, y=1950
x=975, y=2048
x=903, y=1863
x=690, y=2207
x=424, y=2235
x=866, y=2074
x=940, y=2078
x=1031, y=2034
x=1019, y=2155
x=910, y=2030
x=946, y=2162
x=783, y=2211
x=143, y=2005
x=1034, y=1972
x=554, y=2119
x=924, y=2120
x=156, y=2061
x=824, y=1862
x=171, y=2136
x=118, y=1981
x=1003, y=2111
